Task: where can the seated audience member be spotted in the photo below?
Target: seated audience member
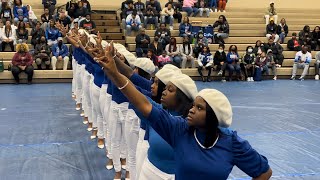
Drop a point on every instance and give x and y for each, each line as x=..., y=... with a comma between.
x=60, y=52
x=222, y=5
x=164, y=35
x=282, y=30
x=140, y=7
x=185, y=50
x=81, y=11
x=271, y=13
x=152, y=57
x=52, y=33
x=155, y=4
x=271, y=31
x=22, y=62
x=301, y=61
x=189, y=7
x=247, y=63
x=156, y=46
x=36, y=34
x=177, y=8
x=22, y=32
x=223, y=29
x=6, y=13
x=270, y=64
x=20, y=12
x=259, y=48
x=315, y=40
x=8, y=36
x=220, y=61
x=232, y=60
x=185, y=28
x=305, y=35
x=88, y=25
x=173, y=51
x=294, y=44
x=50, y=4
x=71, y=7
x=200, y=38
x=128, y=9
x=32, y=17
x=42, y=53
x=261, y=63
x=203, y=6
x=164, y=59
x=45, y=18
x=142, y=43
x=133, y=23
x=317, y=66
x=213, y=5
x=277, y=51
x=124, y=5
x=151, y=17
x=198, y=49
x=205, y=61
x=64, y=18
x=86, y=4
x=167, y=15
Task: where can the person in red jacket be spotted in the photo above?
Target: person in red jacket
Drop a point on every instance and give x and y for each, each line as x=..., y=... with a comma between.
x=22, y=62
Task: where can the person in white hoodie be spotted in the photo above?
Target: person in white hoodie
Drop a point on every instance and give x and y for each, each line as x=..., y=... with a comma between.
x=167, y=15
x=32, y=17
x=8, y=36
x=133, y=23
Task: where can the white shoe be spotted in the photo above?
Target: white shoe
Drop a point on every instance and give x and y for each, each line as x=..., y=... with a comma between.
x=78, y=109
x=275, y=78
x=248, y=79
x=215, y=10
x=224, y=10
x=211, y=10
x=278, y=65
x=316, y=77
x=123, y=166
x=82, y=114
x=293, y=77
x=109, y=167
x=89, y=129
x=171, y=28
x=101, y=146
x=301, y=78
x=252, y=79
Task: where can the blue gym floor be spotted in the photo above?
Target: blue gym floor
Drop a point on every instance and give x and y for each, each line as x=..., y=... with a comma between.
x=42, y=136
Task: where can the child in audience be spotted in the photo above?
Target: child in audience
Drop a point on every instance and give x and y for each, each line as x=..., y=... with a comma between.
x=164, y=59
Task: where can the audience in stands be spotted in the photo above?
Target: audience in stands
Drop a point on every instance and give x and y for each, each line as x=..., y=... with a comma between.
x=247, y=63
x=271, y=31
x=153, y=57
x=205, y=61
x=222, y=5
x=200, y=38
x=142, y=43
x=213, y=5
x=8, y=36
x=203, y=6
x=186, y=52
x=259, y=48
x=81, y=11
x=63, y=18
x=128, y=9
x=52, y=33
x=32, y=17
x=60, y=53
x=177, y=8
x=86, y=4
x=173, y=51
x=189, y=7
x=276, y=50
x=282, y=30
x=50, y=4
x=223, y=30
x=22, y=62
x=220, y=61
x=124, y=4
x=42, y=53
x=315, y=40
x=45, y=18
x=301, y=61
x=167, y=15
x=270, y=64
x=71, y=7
x=164, y=35
x=22, y=32
x=88, y=24
x=20, y=12
x=164, y=59
x=6, y=13
x=36, y=33
x=151, y=17
x=155, y=4
x=156, y=46
x=317, y=66
x=261, y=64
x=294, y=44
x=140, y=7
x=133, y=23
x=305, y=35
x=232, y=62
x=271, y=13
x=185, y=28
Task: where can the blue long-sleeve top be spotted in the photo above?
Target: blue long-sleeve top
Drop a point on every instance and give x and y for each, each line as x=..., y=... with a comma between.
x=183, y=28
x=52, y=33
x=106, y=80
x=117, y=95
x=232, y=60
x=20, y=11
x=57, y=51
x=98, y=75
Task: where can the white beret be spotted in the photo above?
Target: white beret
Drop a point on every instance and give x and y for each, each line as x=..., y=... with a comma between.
x=172, y=67
x=165, y=75
x=219, y=104
x=131, y=58
x=104, y=44
x=185, y=84
x=145, y=64
x=118, y=46
x=93, y=41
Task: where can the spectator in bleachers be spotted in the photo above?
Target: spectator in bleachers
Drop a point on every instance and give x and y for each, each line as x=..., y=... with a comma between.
x=317, y=66
x=305, y=35
x=140, y=7
x=203, y=6
x=81, y=11
x=155, y=4
x=247, y=63
x=164, y=59
x=205, y=61
x=87, y=5
x=50, y=4
x=198, y=49
x=45, y=18
x=164, y=35
x=223, y=29
x=142, y=43
x=151, y=17
x=32, y=17
x=222, y=5
x=22, y=32
x=124, y=4
x=259, y=48
x=189, y=7
x=277, y=51
x=213, y=4
x=201, y=38
x=271, y=31
x=133, y=23
x=271, y=13
x=233, y=62
x=173, y=51
x=167, y=16
x=185, y=28
x=60, y=52
x=315, y=41
x=128, y=9
x=220, y=61
x=270, y=64
x=42, y=53
x=88, y=24
x=177, y=8
x=71, y=7
x=282, y=30
x=20, y=12
x=6, y=13
x=8, y=36
x=301, y=61
x=294, y=44
x=185, y=50
x=22, y=62
x=261, y=63
x=152, y=57
x=156, y=46
x=64, y=18
x=52, y=33
x=36, y=34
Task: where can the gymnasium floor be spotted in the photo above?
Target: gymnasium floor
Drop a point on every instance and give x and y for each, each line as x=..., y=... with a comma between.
x=42, y=136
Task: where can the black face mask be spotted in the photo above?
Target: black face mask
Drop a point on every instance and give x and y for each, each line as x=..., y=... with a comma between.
x=60, y=43
x=156, y=39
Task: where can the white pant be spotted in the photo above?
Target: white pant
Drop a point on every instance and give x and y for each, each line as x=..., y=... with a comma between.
x=54, y=62
x=86, y=96
x=95, y=90
x=102, y=100
x=79, y=79
x=185, y=60
x=149, y=171
x=267, y=17
x=207, y=10
x=303, y=66
x=107, y=131
x=132, y=126
x=51, y=43
x=276, y=37
x=141, y=152
x=93, y=114
x=74, y=72
x=118, y=144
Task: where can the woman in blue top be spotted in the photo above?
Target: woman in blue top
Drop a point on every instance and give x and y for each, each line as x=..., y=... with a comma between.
x=52, y=33
x=185, y=28
x=20, y=12
x=233, y=62
x=203, y=148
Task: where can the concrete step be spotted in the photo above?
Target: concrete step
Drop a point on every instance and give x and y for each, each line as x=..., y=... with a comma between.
x=40, y=74
x=110, y=29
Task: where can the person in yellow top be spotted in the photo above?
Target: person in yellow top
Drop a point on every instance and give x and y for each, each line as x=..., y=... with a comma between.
x=271, y=13
x=167, y=15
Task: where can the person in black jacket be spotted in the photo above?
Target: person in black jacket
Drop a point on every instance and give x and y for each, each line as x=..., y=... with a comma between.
x=6, y=13
x=164, y=34
x=219, y=61
x=271, y=31
x=156, y=46
x=259, y=48
x=87, y=5
x=151, y=16
x=223, y=29
x=282, y=30
x=140, y=7
x=247, y=63
x=276, y=51
x=45, y=18
x=142, y=43
x=177, y=8
x=22, y=32
x=305, y=35
x=71, y=7
x=37, y=32
x=294, y=44
x=155, y=4
x=81, y=11
x=315, y=38
x=128, y=10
